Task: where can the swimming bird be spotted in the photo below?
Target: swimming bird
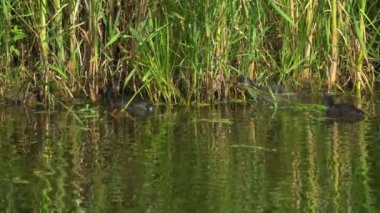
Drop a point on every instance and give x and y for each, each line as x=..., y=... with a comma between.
x=342, y=111
x=134, y=105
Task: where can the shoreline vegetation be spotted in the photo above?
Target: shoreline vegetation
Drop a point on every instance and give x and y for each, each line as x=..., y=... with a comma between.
x=181, y=52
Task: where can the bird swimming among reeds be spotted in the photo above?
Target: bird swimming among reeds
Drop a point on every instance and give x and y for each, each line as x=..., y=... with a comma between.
x=133, y=104
x=342, y=111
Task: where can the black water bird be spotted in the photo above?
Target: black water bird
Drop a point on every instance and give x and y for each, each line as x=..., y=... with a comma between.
x=133, y=104
x=342, y=111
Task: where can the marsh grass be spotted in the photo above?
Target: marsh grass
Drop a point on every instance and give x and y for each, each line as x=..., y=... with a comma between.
x=180, y=52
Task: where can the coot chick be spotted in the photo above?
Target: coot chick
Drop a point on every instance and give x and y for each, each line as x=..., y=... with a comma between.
x=342, y=111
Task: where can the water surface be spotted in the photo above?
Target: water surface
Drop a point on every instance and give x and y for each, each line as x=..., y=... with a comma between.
x=225, y=158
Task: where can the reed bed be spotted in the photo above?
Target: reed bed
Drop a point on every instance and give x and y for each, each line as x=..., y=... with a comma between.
x=183, y=52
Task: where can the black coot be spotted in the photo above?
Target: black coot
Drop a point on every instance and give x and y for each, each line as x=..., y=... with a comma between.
x=136, y=106
x=117, y=102
x=342, y=111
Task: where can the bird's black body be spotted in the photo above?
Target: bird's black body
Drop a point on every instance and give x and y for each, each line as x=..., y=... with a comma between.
x=342, y=111
x=134, y=105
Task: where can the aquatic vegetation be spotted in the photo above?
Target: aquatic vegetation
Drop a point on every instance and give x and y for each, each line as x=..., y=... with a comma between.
x=178, y=52
x=88, y=112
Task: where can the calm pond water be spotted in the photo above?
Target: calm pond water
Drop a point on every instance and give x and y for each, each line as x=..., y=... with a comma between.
x=226, y=158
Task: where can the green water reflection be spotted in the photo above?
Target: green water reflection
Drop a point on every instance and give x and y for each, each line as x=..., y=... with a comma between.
x=228, y=158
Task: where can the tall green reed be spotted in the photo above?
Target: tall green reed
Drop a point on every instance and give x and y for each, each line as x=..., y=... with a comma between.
x=180, y=51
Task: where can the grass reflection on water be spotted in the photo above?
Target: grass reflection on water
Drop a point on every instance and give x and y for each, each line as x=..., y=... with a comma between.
x=228, y=158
